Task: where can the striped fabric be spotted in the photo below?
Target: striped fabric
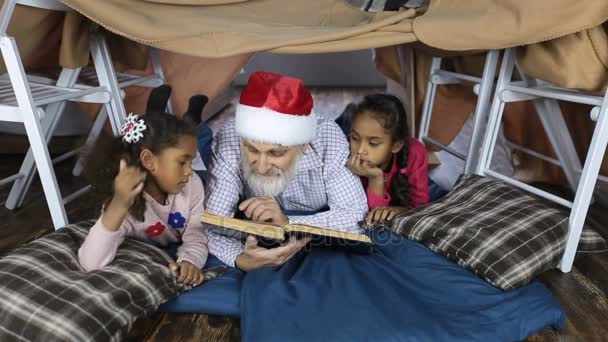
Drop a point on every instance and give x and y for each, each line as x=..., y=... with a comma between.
x=386, y=5
x=46, y=296
x=502, y=233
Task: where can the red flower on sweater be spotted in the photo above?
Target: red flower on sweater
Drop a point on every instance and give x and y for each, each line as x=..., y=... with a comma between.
x=155, y=229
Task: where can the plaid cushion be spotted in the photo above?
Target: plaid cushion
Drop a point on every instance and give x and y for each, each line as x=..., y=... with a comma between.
x=591, y=242
x=502, y=233
x=46, y=296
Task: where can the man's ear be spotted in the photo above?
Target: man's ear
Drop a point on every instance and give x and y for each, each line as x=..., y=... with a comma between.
x=397, y=146
x=148, y=160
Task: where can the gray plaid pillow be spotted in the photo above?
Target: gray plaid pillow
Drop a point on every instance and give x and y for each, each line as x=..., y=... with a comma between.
x=502, y=233
x=46, y=296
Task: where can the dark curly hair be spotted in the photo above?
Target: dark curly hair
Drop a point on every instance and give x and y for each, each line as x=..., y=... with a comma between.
x=389, y=112
x=163, y=130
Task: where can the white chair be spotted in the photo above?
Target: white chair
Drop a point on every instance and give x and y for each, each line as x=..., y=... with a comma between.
x=482, y=86
x=36, y=105
x=545, y=98
x=97, y=85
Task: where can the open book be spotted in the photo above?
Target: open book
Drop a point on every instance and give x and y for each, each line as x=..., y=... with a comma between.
x=273, y=232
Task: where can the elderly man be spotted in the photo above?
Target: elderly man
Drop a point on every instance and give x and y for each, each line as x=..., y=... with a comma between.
x=277, y=162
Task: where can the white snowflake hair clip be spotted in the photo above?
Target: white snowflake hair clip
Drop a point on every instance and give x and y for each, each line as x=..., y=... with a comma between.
x=132, y=130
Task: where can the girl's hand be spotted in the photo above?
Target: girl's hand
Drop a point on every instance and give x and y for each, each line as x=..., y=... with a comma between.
x=362, y=168
x=187, y=273
x=128, y=184
x=384, y=213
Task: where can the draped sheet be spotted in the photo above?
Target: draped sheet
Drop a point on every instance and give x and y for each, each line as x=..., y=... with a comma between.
x=403, y=292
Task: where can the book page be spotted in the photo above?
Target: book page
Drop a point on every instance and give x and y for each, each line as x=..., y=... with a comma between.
x=267, y=230
x=303, y=228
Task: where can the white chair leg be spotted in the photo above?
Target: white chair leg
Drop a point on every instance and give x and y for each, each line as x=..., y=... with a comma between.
x=93, y=135
x=496, y=111
x=107, y=78
x=480, y=117
x=586, y=186
x=158, y=70
x=6, y=12
x=12, y=60
x=49, y=123
x=429, y=100
x=552, y=119
x=46, y=172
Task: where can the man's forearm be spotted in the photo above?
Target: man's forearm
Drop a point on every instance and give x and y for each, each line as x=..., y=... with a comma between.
x=225, y=248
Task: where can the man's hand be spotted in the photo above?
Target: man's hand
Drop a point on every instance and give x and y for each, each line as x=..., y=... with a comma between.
x=257, y=257
x=264, y=209
x=362, y=167
x=187, y=273
x=384, y=213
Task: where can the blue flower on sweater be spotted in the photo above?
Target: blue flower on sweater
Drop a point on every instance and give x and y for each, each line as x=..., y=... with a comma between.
x=176, y=220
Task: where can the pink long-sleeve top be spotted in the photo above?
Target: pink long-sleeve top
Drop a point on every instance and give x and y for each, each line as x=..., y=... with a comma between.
x=175, y=221
x=417, y=176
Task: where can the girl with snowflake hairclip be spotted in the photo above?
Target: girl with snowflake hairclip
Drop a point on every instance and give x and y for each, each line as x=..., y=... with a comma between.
x=133, y=129
x=151, y=195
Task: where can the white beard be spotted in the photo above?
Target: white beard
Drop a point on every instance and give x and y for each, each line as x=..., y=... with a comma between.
x=268, y=186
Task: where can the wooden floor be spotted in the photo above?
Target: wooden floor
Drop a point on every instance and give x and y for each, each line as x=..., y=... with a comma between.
x=583, y=293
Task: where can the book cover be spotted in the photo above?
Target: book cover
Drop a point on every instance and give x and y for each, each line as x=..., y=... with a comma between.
x=272, y=235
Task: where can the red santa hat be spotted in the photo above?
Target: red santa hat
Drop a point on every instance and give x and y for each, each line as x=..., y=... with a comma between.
x=275, y=109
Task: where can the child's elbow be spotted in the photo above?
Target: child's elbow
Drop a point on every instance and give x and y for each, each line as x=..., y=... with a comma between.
x=88, y=262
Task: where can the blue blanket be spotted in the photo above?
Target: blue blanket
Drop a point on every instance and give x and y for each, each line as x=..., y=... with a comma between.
x=219, y=296
x=403, y=292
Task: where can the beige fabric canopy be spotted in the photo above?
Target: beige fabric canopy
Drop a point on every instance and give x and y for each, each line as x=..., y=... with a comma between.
x=251, y=26
x=195, y=2
x=304, y=26
x=460, y=25
x=567, y=43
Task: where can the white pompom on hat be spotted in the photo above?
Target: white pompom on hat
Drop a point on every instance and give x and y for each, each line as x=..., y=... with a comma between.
x=276, y=109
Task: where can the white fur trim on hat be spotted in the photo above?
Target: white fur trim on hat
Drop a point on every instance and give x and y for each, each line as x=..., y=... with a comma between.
x=267, y=126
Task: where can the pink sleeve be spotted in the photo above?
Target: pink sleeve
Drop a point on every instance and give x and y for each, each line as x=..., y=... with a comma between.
x=374, y=200
x=418, y=175
x=194, y=247
x=99, y=247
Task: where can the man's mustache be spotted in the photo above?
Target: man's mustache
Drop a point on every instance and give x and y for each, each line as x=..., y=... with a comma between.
x=274, y=172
